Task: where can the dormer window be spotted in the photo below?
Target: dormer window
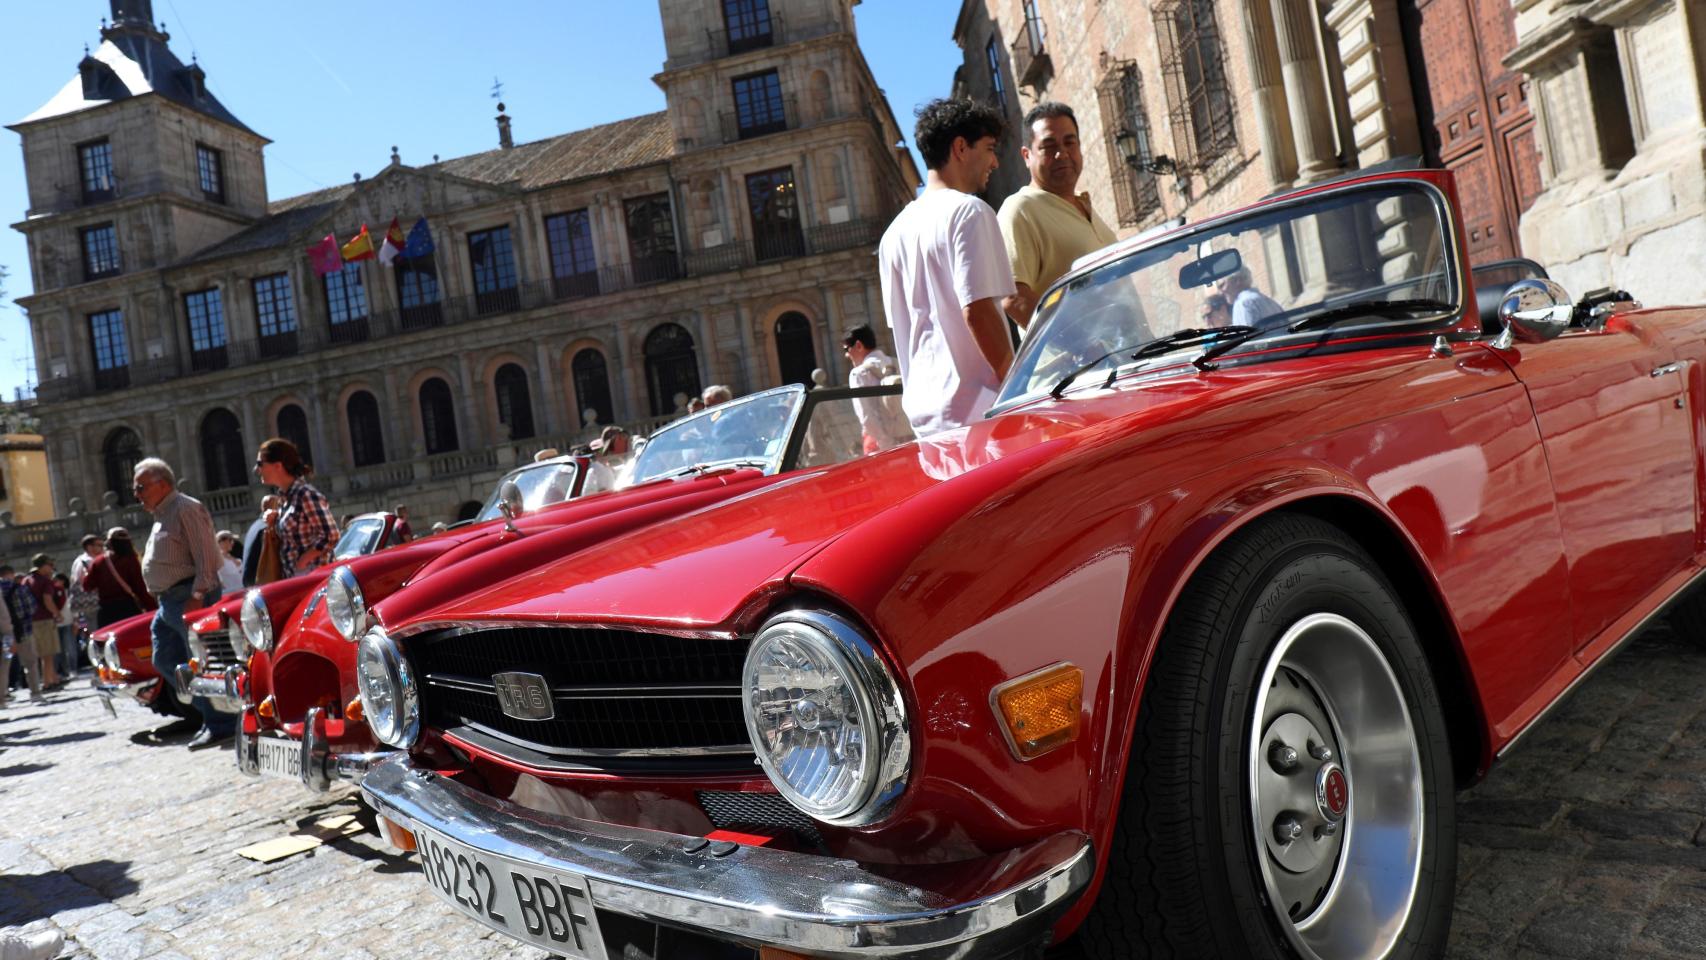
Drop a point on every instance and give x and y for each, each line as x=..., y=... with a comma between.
x=210, y=171
x=96, y=162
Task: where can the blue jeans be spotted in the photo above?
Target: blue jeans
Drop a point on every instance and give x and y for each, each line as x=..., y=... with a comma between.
x=68, y=650
x=172, y=648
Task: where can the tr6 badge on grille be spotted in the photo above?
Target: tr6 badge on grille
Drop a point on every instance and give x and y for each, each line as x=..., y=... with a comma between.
x=524, y=696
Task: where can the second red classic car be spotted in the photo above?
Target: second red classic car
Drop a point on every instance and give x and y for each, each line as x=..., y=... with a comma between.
x=1183, y=651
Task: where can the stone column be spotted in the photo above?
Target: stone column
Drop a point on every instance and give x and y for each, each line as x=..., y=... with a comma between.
x=1273, y=122
x=548, y=408
x=1305, y=87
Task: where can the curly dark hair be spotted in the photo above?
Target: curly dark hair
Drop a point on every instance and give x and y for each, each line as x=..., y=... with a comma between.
x=941, y=122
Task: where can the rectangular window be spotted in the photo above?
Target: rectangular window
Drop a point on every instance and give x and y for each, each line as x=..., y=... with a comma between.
x=651, y=238
x=112, y=354
x=275, y=315
x=574, y=268
x=100, y=251
x=1194, y=73
x=206, y=313
x=758, y=105
x=493, y=258
x=774, y=205
x=997, y=87
x=1120, y=95
x=210, y=170
x=96, y=161
x=417, y=292
x=749, y=23
x=346, y=304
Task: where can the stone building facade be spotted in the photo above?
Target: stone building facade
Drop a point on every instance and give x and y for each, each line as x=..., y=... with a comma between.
x=1224, y=101
x=1619, y=91
x=591, y=277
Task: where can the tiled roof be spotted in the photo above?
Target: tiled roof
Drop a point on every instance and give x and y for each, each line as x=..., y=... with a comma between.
x=606, y=148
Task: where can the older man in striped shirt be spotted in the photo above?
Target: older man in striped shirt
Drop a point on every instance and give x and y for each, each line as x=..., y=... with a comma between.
x=179, y=564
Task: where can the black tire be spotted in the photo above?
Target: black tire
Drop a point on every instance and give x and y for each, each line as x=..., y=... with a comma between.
x=1184, y=876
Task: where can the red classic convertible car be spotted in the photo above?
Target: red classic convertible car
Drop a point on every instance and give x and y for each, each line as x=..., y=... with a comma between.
x=1183, y=651
x=302, y=719
x=121, y=654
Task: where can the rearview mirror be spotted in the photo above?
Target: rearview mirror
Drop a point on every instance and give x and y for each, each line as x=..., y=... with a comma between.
x=1201, y=273
x=509, y=502
x=1533, y=311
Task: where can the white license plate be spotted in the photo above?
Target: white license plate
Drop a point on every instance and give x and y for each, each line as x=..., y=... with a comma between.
x=549, y=909
x=279, y=758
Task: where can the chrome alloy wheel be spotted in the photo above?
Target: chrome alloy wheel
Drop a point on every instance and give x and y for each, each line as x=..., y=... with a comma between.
x=1336, y=791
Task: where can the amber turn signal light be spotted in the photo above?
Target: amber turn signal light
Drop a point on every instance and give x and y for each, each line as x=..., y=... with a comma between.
x=1040, y=711
x=195, y=665
x=352, y=710
x=268, y=708
x=397, y=835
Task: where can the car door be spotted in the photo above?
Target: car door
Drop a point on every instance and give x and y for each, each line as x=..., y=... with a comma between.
x=1612, y=414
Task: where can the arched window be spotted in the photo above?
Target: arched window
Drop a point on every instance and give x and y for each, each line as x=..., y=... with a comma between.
x=592, y=386
x=468, y=510
x=515, y=407
x=794, y=350
x=119, y=453
x=224, y=461
x=672, y=368
x=293, y=426
x=366, y=439
x=438, y=416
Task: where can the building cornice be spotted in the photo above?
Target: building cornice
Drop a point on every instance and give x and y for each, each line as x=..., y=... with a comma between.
x=152, y=98
x=1550, y=44
x=721, y=66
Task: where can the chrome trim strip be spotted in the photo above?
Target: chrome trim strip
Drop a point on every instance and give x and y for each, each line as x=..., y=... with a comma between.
x=1658, y=611
x=825, y=906
x=457, y=628
x=492, y=741
x=595, y=692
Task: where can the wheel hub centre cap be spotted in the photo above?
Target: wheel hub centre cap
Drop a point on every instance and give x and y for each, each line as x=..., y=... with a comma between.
x=1332, y=792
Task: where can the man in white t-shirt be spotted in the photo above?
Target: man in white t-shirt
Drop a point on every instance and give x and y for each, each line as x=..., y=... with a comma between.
x=1249, y=305
x=944, y=271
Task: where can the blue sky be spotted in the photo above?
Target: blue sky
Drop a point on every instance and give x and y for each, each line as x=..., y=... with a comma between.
x=335, y=91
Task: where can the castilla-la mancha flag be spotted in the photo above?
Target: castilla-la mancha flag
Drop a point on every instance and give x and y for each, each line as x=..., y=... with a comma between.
x=392, y=247
x=324, y=256
x=360, y=248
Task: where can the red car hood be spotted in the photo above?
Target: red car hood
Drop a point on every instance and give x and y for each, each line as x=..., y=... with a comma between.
x=713, y=567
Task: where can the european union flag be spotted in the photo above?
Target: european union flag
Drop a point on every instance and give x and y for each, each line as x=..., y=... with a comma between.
x=419, y=243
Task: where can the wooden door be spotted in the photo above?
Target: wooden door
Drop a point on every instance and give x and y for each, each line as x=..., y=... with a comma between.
x=1482, y=128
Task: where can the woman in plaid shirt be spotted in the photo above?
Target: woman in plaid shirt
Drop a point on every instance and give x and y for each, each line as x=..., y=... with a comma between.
x=306, y=530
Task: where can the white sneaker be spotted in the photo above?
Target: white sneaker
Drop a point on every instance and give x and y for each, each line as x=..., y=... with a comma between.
x=41, y=945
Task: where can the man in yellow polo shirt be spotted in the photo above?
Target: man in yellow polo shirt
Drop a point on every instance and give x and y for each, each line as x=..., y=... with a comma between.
x=1047, y=224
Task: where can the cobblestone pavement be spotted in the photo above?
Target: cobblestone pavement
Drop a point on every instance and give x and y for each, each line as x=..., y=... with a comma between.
x=1587, y=842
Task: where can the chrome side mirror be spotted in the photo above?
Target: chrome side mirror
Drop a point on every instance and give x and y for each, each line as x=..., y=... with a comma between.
x=1533, y=311
x=509, y=501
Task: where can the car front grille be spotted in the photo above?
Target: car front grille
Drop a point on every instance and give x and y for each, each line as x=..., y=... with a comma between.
x=216, y=652
x=614, y=693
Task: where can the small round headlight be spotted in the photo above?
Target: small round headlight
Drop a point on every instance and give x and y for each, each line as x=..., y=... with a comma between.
x=239, y=641
x=345, y=605
x=257, y=623
x=826, y=718
x=109, y=653
x=389, y=699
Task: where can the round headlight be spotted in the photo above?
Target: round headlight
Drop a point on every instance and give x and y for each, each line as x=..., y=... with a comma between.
x=826, y=718
x=257, y=623
x=109, y=653
x=239, y=641
x=389, y=699
x=345, y=604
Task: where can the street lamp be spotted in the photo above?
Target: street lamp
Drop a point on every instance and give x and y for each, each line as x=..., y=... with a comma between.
x=1127, y=143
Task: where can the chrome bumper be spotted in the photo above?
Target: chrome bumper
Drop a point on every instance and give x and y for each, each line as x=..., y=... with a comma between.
x=222, y=690
x=805, y=902
x=320, y=766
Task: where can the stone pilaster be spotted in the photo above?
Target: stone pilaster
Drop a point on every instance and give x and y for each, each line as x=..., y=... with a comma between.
x=1305, y=88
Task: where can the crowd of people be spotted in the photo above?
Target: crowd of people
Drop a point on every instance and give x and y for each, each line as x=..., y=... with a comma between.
x=185, y=564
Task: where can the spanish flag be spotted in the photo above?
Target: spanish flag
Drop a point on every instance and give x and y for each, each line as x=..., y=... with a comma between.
x=360, y=248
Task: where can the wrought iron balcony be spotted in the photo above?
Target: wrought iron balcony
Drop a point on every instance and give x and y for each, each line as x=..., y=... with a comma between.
x=1031, y=63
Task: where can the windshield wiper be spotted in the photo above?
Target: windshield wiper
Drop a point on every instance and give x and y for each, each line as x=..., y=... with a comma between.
x=1066, y=381
x=707, y=466
x=1366, y=308
x=1235, y=333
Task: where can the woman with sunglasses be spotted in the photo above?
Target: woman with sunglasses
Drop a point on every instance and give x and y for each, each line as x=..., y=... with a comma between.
x=306, y=530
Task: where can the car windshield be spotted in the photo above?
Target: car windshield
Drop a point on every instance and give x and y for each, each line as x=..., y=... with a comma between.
x=541, y=484
x=753, y=428
x=1312, y=262
x=360, y=538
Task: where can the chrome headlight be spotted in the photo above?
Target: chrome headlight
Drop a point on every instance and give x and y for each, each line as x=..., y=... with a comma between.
x=389, y=699
x=198, y=649
x=345, y=605
x=257, y=623
x=109, y=653
x=239, y=641
x=826, y=718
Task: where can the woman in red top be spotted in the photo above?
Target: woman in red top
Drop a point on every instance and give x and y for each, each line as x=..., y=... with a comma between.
x=116, y=578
